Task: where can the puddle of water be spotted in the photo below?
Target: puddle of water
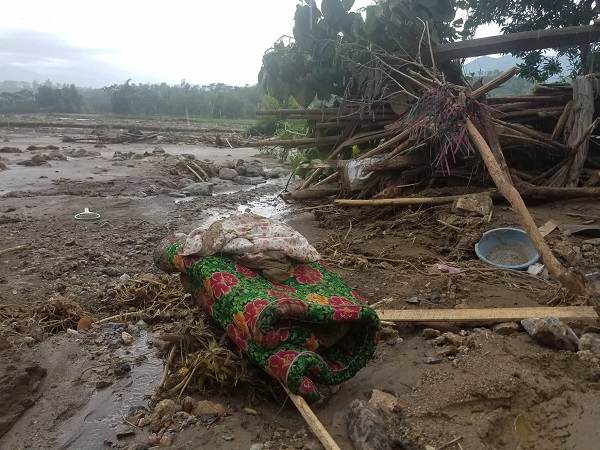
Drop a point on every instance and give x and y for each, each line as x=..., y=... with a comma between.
x=106, y=410
x=270, y=206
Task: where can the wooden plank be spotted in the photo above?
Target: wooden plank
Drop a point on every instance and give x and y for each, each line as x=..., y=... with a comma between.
x=487, y=314
x=518, y=42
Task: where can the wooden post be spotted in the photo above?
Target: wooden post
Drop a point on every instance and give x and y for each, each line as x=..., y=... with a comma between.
x=570, y=278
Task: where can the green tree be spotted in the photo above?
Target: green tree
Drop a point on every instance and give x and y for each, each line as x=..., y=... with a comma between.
x=515, y=15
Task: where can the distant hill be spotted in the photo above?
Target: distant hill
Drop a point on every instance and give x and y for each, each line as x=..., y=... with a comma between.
x=483, y=64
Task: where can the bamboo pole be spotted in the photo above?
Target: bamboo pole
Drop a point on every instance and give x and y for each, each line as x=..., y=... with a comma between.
x=532, y=133
x=560, y=125
x=399, y=201
x=313, y=422
x=505, y=76
x=570, y=278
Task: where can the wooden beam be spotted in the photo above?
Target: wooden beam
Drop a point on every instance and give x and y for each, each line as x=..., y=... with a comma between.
x=488, y=314
x=518, y=42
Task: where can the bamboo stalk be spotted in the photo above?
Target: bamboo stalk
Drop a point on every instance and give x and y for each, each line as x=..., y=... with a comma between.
x=505, y=76
x=313, y=422
x=317, y=141
x=571, y=279
x=560, y=125
x=539, y=112
x=404, y=201
x=532, y=133
x=196, y=174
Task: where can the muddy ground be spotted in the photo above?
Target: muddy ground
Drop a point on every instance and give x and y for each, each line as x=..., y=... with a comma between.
x=501, y=392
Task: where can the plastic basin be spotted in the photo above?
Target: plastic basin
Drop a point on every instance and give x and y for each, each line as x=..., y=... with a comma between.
x=508, y=248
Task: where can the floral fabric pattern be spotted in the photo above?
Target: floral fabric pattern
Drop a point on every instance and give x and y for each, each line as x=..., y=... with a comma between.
x=313, y=329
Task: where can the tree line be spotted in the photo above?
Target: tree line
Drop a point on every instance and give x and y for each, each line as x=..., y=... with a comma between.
x=216, y=100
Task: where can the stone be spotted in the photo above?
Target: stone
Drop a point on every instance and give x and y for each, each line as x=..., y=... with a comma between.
x=388, y=333
x=430, y=333
x=84, y=324
x=102, y=384
x=366, y=428
x=588, y=357
x=385, y=402
x=36, y=332
x=199, y=189
x=121, y=369
x=241, y=170
x=551, y=332
x=10, y=150
x=433, y=359
x=125, y=432
x=188, y=404
x=278, y=172
x=257, y=447
x=506, y=328
x=158, y=150
x=448, y=350
x=126, y=338
x=165, y=407
x=481, y=204
x=29, y=341
x=254, y=169
x=566, y=251
x=227, y=174
x=313, y=445
x=247, y=180
x=206, y=407
x=590, y=342
x=412, y=300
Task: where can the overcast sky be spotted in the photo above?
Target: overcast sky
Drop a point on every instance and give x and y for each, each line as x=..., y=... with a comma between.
x=98, y=43
x=104, y=42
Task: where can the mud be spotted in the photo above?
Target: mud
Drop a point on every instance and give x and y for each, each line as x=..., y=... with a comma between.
x=498, y=392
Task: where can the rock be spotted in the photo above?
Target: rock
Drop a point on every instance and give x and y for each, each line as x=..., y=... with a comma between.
x=313, y=445
x=158, y=150
x=448, y=350
x=36, y=332
x=126, y=338
x=199, y=189
x=567, y=252
x=551, y=332
x=141, y=325
x=241, y=170
x=188, y=404
x=430, y=333
x=136, y=410
x=206, y=407
x=72, y=332
x=122, y=369
x=247, y=180
x=588, y=356
x=84, y=324
x=254, y=169
x=10, y=150
x=385, y=402
x=481, y=204
x=102, y=384
x=29, y=341
x=506, y=328
x=124, y=278
x=433, y=359
x=165, y=441
x=257, y=447
x=590, y=342
x=388, y=333
x=165, y=407
x=227, y=174
x=412, y=300
x=367, y=429
x=2, y=166
x=125, y=432
x=278, y=172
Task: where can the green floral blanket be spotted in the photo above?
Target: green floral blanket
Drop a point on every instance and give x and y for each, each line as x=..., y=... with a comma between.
x=313, y=328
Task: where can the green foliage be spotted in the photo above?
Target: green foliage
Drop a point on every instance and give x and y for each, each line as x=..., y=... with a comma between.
x=47, y=98
x=315, y=63
x=268, y=125
x=514, y=16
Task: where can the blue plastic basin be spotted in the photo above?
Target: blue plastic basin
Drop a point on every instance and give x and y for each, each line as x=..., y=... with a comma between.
x=508, y=248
